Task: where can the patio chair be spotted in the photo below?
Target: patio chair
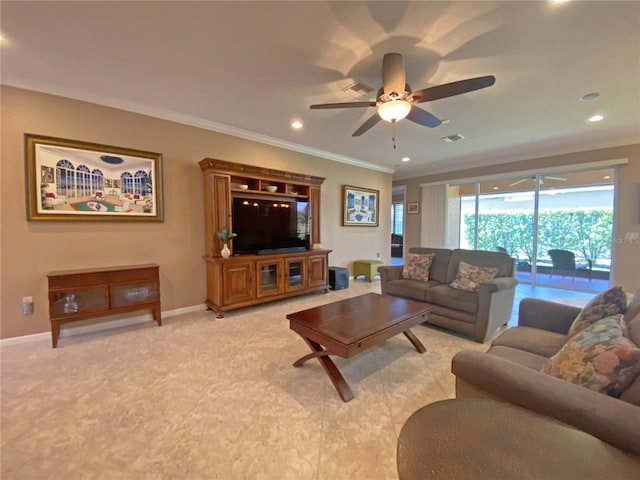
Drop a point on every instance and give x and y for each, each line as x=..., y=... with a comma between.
x=504, y=250
x=564, y=263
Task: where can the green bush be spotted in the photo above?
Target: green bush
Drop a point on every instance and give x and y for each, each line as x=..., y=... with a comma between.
x=587, y=233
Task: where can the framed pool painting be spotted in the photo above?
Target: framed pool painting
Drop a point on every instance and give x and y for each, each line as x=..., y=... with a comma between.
x=79, y=181
x=360, y=206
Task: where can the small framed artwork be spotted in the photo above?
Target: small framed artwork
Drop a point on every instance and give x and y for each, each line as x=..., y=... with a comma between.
x=79, y=181
x=413, y=207
x=360, y=206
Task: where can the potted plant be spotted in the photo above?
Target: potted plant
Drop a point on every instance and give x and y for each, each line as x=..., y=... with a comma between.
x=225, y=236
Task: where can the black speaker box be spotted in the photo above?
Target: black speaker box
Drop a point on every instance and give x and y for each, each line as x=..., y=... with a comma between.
x=338, y=278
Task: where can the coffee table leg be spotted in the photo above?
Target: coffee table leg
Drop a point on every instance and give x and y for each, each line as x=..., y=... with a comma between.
x=334, y=374
x=414, y=340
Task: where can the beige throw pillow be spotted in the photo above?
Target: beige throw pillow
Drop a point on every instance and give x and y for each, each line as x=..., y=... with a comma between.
x=470, y=277
x=416, y=266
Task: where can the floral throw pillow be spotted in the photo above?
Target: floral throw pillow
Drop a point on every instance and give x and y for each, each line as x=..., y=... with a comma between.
x=470, y=277
x=607, y=303
x=601, y=357
x=416, y=266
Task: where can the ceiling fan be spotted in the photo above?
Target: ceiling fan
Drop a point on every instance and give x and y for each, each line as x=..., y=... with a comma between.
x=533, y=179
x=396, y=100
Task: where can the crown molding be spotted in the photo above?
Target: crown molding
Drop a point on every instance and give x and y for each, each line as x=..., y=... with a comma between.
x=197, y=122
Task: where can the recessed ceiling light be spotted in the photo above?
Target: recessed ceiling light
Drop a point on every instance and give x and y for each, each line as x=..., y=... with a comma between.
x=556, y=2
x=596, y=118
x=296, y=124
x=405, y=159
x=495, y=188
x=444, y=121
x=589, y=96
x=607, y=177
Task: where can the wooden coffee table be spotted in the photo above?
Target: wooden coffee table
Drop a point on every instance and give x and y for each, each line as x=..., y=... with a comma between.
x=349, y=327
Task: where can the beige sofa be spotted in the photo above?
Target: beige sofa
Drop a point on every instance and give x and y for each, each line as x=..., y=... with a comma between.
x=477, y=314
x=510, y=371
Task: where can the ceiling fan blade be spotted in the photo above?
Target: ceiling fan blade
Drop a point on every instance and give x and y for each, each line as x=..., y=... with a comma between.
x=559, y=179
x=452, y=89
x=366, y=125
x=393, y=76
x=342, y=105
x=423, y=118
x=518, y=182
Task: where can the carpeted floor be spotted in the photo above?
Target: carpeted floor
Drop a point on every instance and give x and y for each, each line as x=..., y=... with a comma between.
x=200, y=398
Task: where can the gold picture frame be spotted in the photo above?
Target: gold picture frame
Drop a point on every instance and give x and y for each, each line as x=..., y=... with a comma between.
x=70, y=180
x=360, y=206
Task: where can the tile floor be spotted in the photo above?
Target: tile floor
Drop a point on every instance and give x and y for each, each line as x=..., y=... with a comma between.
x=200, y=398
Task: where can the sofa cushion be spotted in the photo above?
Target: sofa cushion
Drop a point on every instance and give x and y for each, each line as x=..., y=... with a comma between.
x=533, y=340
x=414, y=289
x=607, y=303
x=633, y=328
x=601, y=357
x=632, y=311
x=469, y=277
x=450, y=297
x=521, y=357
x=416, y=266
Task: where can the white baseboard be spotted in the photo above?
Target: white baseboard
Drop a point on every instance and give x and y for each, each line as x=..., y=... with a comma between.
x=97, y=327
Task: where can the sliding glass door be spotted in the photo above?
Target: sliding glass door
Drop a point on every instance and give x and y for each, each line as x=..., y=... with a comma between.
x=557, y=227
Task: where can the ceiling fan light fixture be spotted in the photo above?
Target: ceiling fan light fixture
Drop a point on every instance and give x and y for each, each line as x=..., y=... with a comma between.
x=394, y=110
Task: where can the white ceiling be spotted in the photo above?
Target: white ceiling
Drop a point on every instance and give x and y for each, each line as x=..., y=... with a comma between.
x=250, y=68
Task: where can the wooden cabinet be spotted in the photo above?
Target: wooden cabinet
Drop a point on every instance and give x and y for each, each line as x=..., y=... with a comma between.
x=83, y=294
x=237, y=278
x=317, y=266
x=243, y=280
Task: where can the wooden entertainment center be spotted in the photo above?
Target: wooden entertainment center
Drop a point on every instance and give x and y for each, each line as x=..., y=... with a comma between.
x=242, y=280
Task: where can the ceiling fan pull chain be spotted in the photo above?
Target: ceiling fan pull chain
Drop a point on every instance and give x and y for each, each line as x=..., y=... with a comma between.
x=393, y=122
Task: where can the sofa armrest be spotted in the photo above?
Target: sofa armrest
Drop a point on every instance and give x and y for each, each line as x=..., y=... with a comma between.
x=546, y=315
x=495, y=303
x=609, y=419
x=389, y=273
x=497, y=284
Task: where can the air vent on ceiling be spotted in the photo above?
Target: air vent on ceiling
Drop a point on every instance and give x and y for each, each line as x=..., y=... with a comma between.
x=357, y=89
x=453, y=138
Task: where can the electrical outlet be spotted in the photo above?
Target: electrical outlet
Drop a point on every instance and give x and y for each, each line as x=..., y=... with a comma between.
x=378, y=254
x=27, y=305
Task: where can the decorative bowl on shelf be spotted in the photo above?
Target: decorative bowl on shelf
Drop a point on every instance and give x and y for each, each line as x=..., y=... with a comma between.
x=272, y=188
x=243, y=186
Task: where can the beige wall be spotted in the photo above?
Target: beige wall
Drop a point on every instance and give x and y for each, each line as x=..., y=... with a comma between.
x=626, y=253
x=29, y=250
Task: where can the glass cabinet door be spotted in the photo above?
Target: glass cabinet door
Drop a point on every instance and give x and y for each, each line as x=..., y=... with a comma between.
x=295, y=274
x=269, y=277
x=78, y=300
x=132, y=293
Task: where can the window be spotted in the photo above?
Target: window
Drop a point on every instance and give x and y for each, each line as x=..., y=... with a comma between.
x=65, y=176
x=397, y=218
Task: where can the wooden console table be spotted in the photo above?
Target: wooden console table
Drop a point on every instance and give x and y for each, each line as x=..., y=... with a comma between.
x=83, y=294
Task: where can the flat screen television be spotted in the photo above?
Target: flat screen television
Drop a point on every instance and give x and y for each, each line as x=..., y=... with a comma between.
x=270, y=225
